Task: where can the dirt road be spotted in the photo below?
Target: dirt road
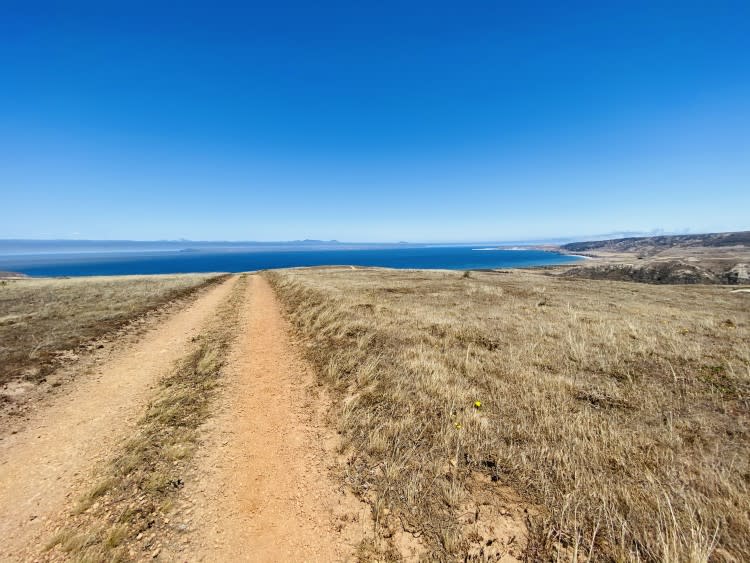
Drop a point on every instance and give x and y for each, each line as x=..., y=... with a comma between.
x=47, y=462
x=263, y=490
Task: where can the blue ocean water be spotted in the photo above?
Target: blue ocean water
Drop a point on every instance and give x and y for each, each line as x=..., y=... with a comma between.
x=240, y=260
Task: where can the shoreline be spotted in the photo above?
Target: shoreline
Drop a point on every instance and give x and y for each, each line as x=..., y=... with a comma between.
x=579, y=256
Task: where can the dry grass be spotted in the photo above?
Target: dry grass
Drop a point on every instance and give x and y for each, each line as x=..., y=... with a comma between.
x=41, y=318
x=620, y=410
x=123, y=515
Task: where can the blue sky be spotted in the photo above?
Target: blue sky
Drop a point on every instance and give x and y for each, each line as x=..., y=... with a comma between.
x=419, y=121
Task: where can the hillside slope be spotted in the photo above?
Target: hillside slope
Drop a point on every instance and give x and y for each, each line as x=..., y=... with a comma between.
x=648, y=246
x=715, y=258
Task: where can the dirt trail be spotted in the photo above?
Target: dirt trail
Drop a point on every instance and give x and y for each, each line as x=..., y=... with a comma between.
x=45, y=464
x=263, y=490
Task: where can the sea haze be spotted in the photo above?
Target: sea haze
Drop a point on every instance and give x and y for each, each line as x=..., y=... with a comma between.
x=94, y=258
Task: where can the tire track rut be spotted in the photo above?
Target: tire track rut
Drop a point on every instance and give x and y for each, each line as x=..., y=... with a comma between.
x=48, y=461
x=264, y=490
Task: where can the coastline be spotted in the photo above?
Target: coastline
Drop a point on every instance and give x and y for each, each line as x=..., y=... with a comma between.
x=579, y=256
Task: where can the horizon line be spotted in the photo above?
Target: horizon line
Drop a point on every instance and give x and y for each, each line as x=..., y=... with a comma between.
x=529, y=240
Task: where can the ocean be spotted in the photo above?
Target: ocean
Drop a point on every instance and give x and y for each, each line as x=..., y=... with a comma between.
x=96, y=262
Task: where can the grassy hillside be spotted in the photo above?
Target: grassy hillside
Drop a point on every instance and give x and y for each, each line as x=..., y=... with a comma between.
x=651, y=245
x=610, y=419
x=42, y=318
x=716, y=258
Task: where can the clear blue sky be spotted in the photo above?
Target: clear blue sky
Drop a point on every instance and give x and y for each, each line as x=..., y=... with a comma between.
x=372, y=121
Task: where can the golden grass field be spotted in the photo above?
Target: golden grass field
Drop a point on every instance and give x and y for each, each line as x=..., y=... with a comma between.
x=616, y=414
x=40, y=318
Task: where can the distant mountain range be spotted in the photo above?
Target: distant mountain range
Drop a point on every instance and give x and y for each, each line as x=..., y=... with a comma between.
x=643, y=245
x=62, y=246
